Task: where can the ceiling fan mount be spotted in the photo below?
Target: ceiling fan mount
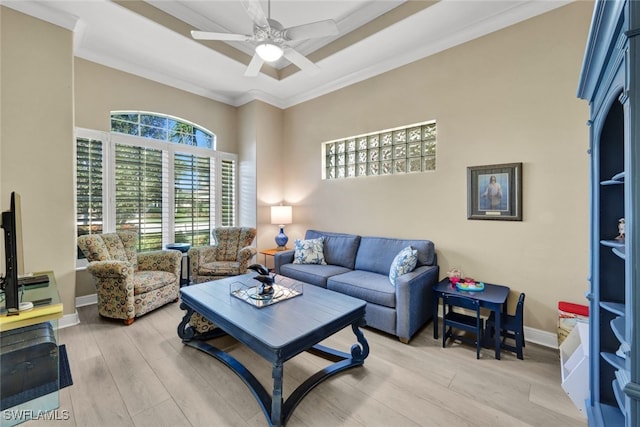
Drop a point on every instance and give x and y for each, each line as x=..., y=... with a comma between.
x=270, y=38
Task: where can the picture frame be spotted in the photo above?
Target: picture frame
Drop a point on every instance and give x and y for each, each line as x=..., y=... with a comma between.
x=494, y=192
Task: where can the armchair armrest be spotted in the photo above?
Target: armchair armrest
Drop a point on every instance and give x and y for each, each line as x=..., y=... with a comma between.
x=110, y=269
x=282, y=258
x=414, y=300
x=164, y=260
x=244, y=256
x=201, y=255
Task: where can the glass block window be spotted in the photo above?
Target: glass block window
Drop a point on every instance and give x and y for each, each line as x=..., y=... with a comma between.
x=408, y=149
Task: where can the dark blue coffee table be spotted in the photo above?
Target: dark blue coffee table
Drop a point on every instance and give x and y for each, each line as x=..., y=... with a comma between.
x=277, y=333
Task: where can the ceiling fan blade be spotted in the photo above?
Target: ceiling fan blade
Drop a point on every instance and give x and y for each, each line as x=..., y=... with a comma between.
x=207, y=35
x=256, y=13
x=313, y=30
x=300, y=61
x=254, y=66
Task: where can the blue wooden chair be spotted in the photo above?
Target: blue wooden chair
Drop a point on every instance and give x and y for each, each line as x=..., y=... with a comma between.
x=453, y=319
x=512, y=328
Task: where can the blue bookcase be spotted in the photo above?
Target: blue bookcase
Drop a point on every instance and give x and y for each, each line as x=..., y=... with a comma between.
x=609, y=82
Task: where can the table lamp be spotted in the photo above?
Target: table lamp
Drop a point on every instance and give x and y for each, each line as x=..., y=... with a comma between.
x=281, y=215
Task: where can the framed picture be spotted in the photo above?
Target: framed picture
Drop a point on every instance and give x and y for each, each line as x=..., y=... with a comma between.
x=495, y=192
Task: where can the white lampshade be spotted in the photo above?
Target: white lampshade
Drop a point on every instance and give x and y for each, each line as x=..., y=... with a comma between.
x=269, y=52
x=281, y=215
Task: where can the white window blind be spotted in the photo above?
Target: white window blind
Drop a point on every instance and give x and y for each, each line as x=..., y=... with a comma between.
x=193, y=201
x=139, y=196
x=89, y=187
x=228, y=192
x=167, y=191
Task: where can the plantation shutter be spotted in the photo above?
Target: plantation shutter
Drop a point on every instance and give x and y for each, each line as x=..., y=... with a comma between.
x=228, y=193
x=139, y=190
x=89, y=170
x=193, y=202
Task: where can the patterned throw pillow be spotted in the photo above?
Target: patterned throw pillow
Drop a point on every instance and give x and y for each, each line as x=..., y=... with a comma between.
x=309, y=251
x=403, y=263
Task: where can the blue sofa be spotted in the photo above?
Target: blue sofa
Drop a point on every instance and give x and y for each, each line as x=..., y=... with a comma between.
x=359, y=266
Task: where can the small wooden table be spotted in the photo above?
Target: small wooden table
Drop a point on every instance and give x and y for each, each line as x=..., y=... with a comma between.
x=277, y=333
x=493, y=297
x=271, y=253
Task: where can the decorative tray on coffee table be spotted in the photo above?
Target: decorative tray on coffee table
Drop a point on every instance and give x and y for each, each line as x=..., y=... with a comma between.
x=250, y=293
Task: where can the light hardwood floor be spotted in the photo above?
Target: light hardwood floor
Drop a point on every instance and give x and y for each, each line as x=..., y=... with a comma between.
x=142, y=375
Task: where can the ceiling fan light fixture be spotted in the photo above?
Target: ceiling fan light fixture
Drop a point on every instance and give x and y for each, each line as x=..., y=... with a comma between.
x=269, y=52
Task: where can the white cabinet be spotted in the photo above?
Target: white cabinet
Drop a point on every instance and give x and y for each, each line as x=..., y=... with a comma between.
x=574, y=361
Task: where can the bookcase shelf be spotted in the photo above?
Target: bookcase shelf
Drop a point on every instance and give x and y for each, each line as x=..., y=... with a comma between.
x=611, y=65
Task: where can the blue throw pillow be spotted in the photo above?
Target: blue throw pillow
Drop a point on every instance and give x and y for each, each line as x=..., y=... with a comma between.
x=403, y=263
x=309, y=251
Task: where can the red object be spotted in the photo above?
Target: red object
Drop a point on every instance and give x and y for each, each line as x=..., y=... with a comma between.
x=570, y=307
x=454, y=280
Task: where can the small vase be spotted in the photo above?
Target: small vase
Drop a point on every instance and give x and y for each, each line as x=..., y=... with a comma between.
x=281, y=238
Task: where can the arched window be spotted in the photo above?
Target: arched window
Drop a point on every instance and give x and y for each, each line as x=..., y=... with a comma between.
x=157, y=174
x=161, y=127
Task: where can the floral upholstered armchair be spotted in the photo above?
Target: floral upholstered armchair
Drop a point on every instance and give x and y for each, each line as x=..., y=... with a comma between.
x=229, y=256
x=130, y=284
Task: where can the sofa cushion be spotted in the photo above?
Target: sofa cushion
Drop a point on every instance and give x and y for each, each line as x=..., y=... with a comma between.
x=315, y=274
x=371, y=287
x=403, y=263
x=339, y=248
x=376, y=254
x=310, y=251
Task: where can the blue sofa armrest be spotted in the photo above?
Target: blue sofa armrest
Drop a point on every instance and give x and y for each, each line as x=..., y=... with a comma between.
x=282, y=258
x=414, y=300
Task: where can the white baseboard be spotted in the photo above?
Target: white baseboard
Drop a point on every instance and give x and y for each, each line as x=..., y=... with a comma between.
x=73, y=319
x=69, y=320
x=536, y=336
x=86, y=300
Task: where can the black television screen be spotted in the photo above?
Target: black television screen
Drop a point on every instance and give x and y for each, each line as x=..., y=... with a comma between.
x=12, y=225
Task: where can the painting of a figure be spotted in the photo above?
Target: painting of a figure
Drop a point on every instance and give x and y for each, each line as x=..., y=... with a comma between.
x=494, y=192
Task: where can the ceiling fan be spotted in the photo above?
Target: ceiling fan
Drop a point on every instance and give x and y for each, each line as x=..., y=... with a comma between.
x=271, y=38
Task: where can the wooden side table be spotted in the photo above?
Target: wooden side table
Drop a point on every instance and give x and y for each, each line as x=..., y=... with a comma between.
x=271, y=253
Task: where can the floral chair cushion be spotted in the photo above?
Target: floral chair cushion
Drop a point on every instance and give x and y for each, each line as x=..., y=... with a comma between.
x=220, y=268
x=120, y=246
x=146, y=281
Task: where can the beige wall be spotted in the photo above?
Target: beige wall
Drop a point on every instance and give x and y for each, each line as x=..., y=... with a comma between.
x=260, y=127
x=271, y=170
x=506, y=97
x=100, y=90
x=37, y=144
